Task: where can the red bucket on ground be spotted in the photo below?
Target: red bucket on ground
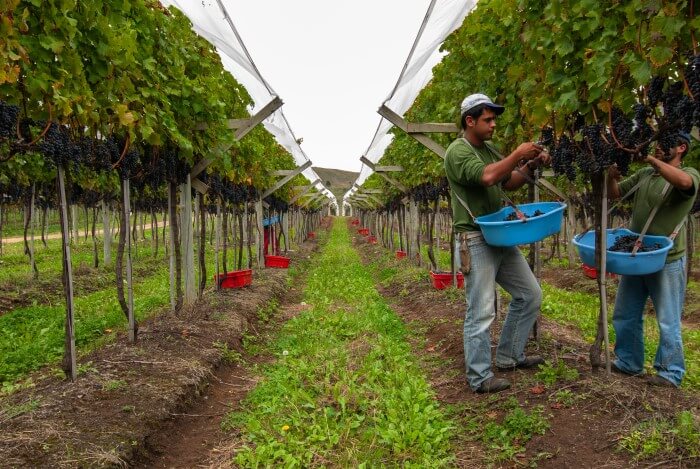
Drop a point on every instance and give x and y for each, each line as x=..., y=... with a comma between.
x=400, y=254
x=442, y=280
x=592, y=272
x=235, y=279
x=363, y=231
x=277, y=262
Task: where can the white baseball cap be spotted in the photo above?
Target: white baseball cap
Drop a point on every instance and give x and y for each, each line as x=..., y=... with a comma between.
x=474, y=100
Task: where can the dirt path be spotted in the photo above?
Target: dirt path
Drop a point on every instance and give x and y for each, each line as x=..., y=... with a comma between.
x=190, y=439
x=19, y=239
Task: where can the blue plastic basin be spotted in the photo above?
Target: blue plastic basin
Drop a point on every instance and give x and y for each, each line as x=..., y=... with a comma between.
x=623, y=263
x=498, y=232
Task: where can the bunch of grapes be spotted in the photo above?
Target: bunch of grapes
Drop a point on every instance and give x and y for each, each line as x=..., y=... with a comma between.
x=9, y=114
x=56, y=145
x=130, y=163
x=393, y=205
x=425, y=193
x=563, y=157
x=276, y=204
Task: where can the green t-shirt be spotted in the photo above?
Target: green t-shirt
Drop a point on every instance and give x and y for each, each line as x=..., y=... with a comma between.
x=464, y=166
x=674, y=208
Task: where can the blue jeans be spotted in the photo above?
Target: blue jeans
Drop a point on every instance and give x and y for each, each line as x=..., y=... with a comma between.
x=508, y=267
x=667, y=291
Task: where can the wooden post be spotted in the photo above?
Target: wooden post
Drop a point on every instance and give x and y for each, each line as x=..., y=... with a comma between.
x=69, y=357
x=187, y=245
x=106, y=234
x=32, y=259
x=259, y=236
x=218, y=241
x=171, y=209
x=74, y=222
x=129, y=279
x=196, y=272
x=602, y=269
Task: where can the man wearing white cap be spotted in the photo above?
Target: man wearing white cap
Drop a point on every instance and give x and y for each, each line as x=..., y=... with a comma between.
x=664, y=193
x=477, y=174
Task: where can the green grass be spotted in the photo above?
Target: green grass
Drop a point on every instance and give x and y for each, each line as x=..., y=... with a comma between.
x=32, y=337
x=677, y=439
x=506, y=439
x=345, y=389
x=581, y=310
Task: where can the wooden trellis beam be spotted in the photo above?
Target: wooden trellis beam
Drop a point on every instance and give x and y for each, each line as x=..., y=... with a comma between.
x=305, y=190
x=416, y=131
x=242, y=128
x=389, y=179
x=287, y=178
x=312, y=199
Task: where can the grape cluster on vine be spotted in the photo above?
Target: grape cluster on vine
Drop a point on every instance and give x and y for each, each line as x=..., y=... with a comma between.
x=9, y=114
x=662, y=114
x=276, y=204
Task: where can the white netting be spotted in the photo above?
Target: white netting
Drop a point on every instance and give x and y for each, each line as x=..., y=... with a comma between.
x=441, y=19
x=211, y=21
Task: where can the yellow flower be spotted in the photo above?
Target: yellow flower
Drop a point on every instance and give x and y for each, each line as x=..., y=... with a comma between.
x=285, y=428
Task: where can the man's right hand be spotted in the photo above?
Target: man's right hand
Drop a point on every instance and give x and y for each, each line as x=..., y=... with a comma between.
x=528, y=150
x=614, y=172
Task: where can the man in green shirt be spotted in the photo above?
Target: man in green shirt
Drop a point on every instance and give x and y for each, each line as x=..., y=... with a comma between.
x=672, y=187
x=477, y=175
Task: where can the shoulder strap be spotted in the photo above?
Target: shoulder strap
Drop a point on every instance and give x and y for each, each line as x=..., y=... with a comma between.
x=464, y=204
x=638, y=243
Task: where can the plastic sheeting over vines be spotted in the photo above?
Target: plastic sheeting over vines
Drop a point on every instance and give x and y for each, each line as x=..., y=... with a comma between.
x=212, y=21
x=441, y=19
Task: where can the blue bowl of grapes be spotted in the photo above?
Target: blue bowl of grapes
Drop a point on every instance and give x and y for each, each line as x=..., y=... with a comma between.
x=503, y=228
x=650, y=257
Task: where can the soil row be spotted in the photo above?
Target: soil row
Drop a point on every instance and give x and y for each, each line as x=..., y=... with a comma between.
x=121, y=409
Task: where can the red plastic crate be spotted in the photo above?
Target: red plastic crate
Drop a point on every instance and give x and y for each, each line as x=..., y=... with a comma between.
x=235, y=279
x=592, y=272
x=363, y=231
x=443, y=280
x=277, y=262
x=400, y=254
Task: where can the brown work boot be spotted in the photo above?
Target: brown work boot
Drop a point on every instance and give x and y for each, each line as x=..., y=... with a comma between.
x=529, y=362
x=656, y=380
x=493, y=384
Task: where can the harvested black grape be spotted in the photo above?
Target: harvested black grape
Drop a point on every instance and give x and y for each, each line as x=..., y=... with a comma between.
x=625, y=243
x=512, y=216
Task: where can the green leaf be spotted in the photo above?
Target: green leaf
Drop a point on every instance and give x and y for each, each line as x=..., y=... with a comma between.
x=641, y=72
x=660, y=55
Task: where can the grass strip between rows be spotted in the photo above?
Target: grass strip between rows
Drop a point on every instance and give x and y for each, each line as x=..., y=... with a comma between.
x=33, y=336
x=581, y=310
x=345, y=389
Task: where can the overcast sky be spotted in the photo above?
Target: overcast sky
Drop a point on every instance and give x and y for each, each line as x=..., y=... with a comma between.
x=332, y=63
